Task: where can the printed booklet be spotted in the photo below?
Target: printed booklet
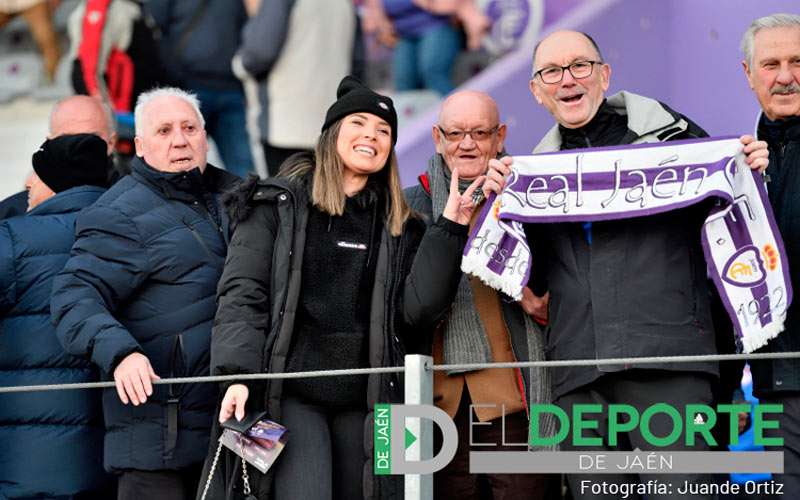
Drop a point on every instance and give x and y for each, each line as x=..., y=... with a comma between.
x=260, y=445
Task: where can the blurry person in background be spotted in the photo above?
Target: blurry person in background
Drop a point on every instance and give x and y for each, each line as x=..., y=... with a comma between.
x=198, y=41
x=72, y=115
x=425, y=38
x=52, y=441
x=281, y=309
x=295, y=52
x=137, y=297
x=771, y=48
x=38, y=15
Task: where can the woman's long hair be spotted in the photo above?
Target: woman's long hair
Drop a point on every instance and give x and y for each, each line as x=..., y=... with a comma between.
x=327, y=184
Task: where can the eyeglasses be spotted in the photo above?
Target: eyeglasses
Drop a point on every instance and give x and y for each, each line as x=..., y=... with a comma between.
x=578, y=70
x=478, y=134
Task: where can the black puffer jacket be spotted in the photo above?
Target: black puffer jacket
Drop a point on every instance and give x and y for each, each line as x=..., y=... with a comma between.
x=415, y=282
x=640, y=287
x=142, y=277
x=783, y=139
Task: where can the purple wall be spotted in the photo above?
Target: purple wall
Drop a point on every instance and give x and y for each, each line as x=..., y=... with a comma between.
x=709, y=61
x=683, y=52
x=556, y=9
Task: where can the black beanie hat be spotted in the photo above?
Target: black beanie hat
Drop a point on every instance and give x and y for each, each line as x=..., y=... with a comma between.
x=353, y=97
x=69, y=161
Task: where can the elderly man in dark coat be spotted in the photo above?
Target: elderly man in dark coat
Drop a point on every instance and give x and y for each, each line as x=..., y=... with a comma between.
x=52, y=442
x=771, y=47
x=137, y=297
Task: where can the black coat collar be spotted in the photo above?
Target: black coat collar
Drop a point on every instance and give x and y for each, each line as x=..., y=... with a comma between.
x=779, y=130
x=183, y=186
x=606, y=128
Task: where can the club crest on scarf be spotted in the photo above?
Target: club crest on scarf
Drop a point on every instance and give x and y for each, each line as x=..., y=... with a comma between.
x=743, y=249
x=745, y=268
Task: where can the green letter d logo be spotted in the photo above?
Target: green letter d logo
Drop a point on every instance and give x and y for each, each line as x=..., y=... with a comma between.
x=392, y=438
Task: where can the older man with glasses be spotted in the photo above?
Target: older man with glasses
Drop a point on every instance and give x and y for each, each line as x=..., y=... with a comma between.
x=635, y=287
x=482, y=325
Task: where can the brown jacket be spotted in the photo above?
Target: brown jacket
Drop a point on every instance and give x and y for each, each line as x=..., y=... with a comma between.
x=494, y=392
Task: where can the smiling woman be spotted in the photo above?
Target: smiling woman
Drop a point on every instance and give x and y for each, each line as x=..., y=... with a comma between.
x=329, y=269
x=364, y=143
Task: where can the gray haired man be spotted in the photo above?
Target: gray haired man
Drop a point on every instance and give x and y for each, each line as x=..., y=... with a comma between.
x=771, y=47
x=137, y=298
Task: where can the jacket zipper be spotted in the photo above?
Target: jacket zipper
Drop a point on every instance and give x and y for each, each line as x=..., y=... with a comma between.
x=268, y=362
x=391, y=289
x=204, y=211
x=199, y=239
x=173, y=397
x=177, y=357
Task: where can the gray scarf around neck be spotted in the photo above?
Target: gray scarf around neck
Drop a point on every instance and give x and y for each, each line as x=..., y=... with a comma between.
x=465, y=340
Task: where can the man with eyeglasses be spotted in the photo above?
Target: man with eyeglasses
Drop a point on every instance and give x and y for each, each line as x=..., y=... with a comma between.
x=482, y=325
x=624, y=288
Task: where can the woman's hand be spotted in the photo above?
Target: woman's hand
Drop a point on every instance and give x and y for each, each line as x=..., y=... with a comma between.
x=233, y=402
x=459, y=206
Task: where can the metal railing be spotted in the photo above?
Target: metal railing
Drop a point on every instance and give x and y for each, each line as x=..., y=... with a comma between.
x=418, y=374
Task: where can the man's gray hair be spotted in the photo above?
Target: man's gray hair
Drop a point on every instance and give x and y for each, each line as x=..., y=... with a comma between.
x=766, y=22
x=146, y=97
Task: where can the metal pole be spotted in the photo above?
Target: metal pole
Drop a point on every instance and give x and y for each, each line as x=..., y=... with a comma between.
x=419, y=391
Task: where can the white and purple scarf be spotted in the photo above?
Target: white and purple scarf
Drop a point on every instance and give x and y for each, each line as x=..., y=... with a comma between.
x=743, y=248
